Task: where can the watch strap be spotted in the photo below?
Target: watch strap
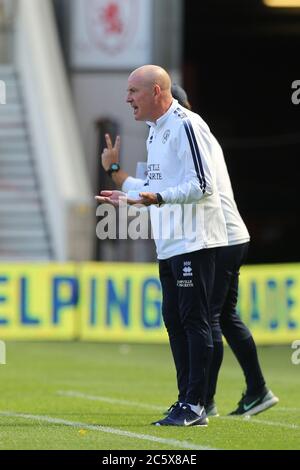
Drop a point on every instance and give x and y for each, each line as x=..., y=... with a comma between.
x=159, y=199
x=113, y=170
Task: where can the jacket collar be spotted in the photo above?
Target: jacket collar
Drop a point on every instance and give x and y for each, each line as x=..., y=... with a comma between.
x=161, y=121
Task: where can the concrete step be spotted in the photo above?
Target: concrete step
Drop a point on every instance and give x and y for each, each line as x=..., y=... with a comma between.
x=21, y=214
x=11, y=133
x=19, y=219
x=20, y=209
x=17, y=184
x=9, y=80
x=22, y=233
x=10, y=122
x=11, y=98
x=10, y=170
x=11, y=109
x=24, y=245
x=12, y=223
x=10, y=152
x=13, y=145
x=7, y=70
x=14, y=256
x=13, y=195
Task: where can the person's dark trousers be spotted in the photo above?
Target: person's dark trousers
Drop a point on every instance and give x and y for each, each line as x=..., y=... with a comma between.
x=187, y=282
x=225, y=319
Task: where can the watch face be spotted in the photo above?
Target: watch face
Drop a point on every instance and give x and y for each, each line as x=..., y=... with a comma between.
x=114, y=166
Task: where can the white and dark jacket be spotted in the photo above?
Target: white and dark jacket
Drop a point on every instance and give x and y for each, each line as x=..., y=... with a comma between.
x=181, y=168
x=236, y=229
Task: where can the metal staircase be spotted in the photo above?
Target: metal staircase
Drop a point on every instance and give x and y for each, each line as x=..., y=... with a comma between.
x=24, y=234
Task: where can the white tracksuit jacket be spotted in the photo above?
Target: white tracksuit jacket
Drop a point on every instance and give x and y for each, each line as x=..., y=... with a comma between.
x=181, y=168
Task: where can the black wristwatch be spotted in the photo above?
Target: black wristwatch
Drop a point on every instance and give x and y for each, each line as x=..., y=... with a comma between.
x=159, y=199
x=114, y=167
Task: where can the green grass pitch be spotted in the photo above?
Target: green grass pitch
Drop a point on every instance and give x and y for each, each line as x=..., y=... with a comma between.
x=104, y=396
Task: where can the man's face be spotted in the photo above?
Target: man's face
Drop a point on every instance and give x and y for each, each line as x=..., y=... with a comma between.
x=140, y=96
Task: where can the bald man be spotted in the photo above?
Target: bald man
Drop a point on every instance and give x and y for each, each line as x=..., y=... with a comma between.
x=188, y=225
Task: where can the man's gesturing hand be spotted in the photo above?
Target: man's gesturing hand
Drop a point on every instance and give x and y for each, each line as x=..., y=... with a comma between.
x=111, y=153
x=117, y=197
x=148, y=199
x=111, y=197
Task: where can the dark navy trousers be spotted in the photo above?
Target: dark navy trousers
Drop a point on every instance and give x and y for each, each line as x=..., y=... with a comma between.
x=224, y=316
x=187, y=283
x=225, y=320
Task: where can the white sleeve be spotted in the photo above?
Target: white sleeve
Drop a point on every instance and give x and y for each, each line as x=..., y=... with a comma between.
x=134, y=184
x=194, y=152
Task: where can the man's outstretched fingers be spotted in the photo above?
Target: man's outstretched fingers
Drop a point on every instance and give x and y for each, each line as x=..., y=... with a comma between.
x=117, y=143
x=108, y=141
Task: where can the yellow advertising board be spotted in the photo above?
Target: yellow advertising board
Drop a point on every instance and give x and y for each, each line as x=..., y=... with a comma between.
x=269, y=302
x=122, y=302
x=38, y=301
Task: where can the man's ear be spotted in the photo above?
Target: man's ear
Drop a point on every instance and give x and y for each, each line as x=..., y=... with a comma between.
x=156, y=90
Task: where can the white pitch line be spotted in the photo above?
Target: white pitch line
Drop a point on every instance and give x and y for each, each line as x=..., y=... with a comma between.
x=284, y=408
x=260, y=421
x=119, y=432
x=274, y=423
x=113, y=401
